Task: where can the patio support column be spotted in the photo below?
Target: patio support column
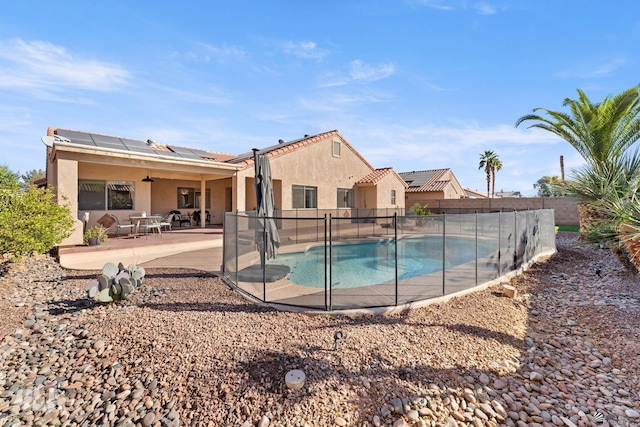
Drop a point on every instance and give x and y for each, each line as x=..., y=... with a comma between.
x=66, y=182
x=203, y=202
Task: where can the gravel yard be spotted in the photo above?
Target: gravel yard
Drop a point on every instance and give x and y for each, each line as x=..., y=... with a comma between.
x=186, y=350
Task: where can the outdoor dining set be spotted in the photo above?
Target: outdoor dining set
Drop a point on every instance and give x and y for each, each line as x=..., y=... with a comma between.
x=143, y=224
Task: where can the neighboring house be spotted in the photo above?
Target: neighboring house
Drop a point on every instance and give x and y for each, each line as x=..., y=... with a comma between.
x=504, y=194
x=106, y=174
x=430, y=185
x=474, y=194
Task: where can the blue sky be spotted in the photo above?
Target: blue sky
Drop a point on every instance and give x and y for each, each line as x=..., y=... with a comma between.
x=411, y=84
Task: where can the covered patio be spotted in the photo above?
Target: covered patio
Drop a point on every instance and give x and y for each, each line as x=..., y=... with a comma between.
x=186, y=247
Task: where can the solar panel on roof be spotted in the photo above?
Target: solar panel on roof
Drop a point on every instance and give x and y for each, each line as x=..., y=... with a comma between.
x=201, y=153
x=108, y=142
x=77, y=137
x=138, y=146
x=168, y=153
x=184, y=152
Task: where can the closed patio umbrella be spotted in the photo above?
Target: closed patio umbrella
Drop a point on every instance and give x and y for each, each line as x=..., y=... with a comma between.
x=265, y=201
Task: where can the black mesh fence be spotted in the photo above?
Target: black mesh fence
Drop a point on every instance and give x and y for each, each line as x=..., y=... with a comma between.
x=364, y=258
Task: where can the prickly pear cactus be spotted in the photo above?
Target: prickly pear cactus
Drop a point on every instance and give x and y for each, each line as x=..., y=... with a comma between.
x=110, y=270
x=116, y=282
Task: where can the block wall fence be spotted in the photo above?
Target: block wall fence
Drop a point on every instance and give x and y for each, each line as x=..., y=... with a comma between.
x=565, y=208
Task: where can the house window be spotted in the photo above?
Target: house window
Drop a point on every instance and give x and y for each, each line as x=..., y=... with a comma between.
x=304, y=197
x=393, y=197
x=119, y=195
x=186, y=198
x=336, y=148
x=345, y=198
x=101, y=195
x=189, y=198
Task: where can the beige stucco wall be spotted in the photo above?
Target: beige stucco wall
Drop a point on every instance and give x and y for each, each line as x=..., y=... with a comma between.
x=422, y=198
x=383, y=192
x=314, y=165
x=452, y=191
x=64, y=180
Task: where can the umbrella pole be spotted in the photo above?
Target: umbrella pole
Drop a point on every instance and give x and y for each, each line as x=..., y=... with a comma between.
x=259, y=196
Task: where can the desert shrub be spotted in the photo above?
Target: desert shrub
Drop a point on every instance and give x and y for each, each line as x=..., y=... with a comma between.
x=31, y=221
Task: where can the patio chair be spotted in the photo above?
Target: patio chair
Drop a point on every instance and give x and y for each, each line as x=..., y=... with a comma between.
x=120, y=226
x=196, y=217
x=167, y=221
x=180, y=218
x=153, y=224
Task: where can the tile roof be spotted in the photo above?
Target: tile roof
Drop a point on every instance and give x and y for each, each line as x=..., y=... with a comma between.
x=427, y=180
x=284, y=147
x=377, y=175
x=155, y=148
x=475, y=194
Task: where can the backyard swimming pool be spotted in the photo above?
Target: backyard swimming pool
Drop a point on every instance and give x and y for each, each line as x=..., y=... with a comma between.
x=370, y=263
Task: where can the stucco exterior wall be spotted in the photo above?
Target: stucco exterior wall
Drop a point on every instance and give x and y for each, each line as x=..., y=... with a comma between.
x=383, y=190
x=452, y=191
x=422, y=198
x=65, y=179
x=312, y=165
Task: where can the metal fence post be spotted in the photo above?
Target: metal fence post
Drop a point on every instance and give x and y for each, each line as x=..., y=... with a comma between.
x=263, y=256
x=499, y=243
x=326, y=297
x=444, y=252
x=476, y=248
x=395, y=241
x=515, y=240
x=330, y=263
x=237, y=249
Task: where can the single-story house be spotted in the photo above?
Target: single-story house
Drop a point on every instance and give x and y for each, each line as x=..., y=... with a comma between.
x=504, y=194
x=474, y=194
x=101, y=174
x=426, y=185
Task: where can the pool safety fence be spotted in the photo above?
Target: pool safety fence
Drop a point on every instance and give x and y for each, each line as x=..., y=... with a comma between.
x=365, y=258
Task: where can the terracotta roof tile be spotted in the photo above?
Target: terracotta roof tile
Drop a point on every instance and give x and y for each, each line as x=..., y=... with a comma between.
x=246, y=159
x=377, y=175
x=427, y=180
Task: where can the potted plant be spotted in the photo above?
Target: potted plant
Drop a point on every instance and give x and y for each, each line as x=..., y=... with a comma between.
x=95, y=235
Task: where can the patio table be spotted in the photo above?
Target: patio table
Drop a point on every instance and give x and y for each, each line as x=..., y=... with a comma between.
x=143, y=220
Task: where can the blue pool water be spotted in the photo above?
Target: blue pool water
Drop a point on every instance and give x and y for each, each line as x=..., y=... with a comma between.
x=372, y=263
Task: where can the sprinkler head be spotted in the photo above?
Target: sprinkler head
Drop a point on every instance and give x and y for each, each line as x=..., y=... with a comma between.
x=336, y=339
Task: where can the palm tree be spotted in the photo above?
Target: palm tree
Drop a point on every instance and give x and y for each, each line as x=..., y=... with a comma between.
x=600, y=132
x=495, y=166
x=490, y=163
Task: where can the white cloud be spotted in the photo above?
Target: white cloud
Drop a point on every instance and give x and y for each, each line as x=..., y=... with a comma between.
x=592, y=70
x=481, y=7
x=359, y=71
x=214, y=96
x=484, y=8
x=308, y=50
x=45, y=68
x=435, y=4
x=214, y=53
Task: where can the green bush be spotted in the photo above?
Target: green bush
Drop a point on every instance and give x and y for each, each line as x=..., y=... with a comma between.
x=420, y=210
x=31, y=221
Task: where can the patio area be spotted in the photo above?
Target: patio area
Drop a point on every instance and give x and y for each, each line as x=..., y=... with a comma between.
x=182, y=247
